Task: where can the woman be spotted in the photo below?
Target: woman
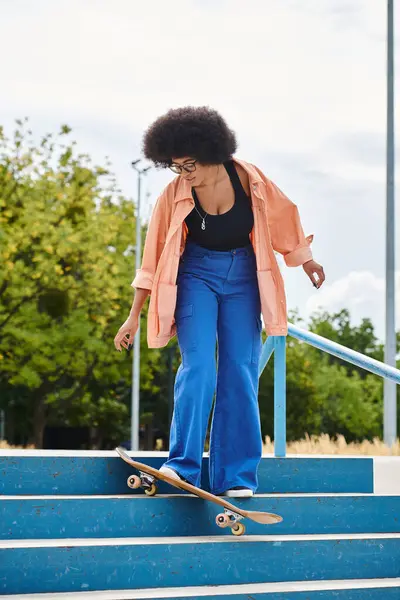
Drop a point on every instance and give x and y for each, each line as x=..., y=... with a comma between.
x=210, y=267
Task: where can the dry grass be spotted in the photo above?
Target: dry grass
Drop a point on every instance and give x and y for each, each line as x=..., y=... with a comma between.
x=314, y=444
x=323, y=444
x=5, y=446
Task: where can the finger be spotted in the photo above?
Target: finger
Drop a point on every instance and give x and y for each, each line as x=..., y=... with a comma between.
x=127, y=341
x=321, y=276
x=118, y=342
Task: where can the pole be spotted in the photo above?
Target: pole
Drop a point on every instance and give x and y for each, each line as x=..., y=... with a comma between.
x=2, y=425
x=136, y=343
x=390, y=411
x=135, y=394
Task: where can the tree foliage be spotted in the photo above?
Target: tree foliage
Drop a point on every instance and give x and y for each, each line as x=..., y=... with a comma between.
x=67, y=240
x=66, y=246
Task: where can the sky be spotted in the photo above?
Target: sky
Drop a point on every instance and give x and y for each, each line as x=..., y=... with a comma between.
x=302, y=83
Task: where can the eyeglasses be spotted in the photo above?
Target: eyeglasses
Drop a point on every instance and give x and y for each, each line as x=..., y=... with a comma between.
x=189, y=167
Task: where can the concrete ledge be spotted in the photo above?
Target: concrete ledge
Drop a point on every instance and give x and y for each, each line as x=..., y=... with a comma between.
x=387, y=474
x=72, y=565
x=356, y=589
x=25, y=517
x=105, y=473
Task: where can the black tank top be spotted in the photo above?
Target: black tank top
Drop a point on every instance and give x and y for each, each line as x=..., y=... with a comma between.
x=227, y=231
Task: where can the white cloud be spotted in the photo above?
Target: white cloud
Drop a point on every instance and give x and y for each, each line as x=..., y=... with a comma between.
x=285, y=74
x=362, y=292
x=302, y=83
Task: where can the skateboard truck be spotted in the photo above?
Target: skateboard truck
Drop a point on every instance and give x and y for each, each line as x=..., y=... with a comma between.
x=226, y=519
x=145, y=481
x=231, y=519
x=232, y=515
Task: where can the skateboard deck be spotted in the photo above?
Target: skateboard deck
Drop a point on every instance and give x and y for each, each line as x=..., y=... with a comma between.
x=232, y=514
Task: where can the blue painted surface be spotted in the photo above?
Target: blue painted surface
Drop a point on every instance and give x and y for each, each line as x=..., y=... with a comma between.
x=21, y=475
x=186, y=516
x=280, y=397
x=266, y=353
x=360, y=594
x=30, y=570
x=298, y=475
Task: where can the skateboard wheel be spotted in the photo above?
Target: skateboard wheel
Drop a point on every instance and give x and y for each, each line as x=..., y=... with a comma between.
x=238, y=529
x=151, y=491
x=222, y=520
x=134, y=482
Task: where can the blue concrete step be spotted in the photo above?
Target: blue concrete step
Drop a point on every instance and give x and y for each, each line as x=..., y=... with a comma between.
x=358, y=589
x=80, y=472
x=30, y=566
x=184, y=515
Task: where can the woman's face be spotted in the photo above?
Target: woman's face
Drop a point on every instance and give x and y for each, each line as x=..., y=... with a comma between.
x=195, y=173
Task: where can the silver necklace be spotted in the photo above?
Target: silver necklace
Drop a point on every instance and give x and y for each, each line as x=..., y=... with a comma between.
x=203, y=218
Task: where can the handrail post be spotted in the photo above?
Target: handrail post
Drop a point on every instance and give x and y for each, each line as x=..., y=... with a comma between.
x=277, y=345
x=266, y=352
x=280, y=396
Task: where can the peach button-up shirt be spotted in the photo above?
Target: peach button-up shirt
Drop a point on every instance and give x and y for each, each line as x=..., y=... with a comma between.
x=277, y=228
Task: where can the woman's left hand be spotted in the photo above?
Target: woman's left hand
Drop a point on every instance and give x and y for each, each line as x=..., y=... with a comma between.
x=313, y=269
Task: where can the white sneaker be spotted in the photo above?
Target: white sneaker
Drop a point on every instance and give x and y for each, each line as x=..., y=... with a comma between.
x=239, y=492
x=170, y=472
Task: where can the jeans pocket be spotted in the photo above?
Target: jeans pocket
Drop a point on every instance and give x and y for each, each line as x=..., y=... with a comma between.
x=184, y=315
x=183, y=311
x=257, y=341
x=192, y=258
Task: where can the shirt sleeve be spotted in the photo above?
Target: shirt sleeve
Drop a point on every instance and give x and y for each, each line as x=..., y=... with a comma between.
x=287, y=235
x=154, y=243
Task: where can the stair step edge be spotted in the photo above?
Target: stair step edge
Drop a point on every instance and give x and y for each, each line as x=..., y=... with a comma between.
x=254, y=588
x=148, y=541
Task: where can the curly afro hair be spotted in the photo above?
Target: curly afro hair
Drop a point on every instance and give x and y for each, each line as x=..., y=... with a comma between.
x=198, y=132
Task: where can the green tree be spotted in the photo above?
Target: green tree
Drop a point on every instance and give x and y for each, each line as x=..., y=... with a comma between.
x=351, y=405
x=325, y=394
x=66, y=245
x=303, y=405
x=67, y=256
x=338, y=328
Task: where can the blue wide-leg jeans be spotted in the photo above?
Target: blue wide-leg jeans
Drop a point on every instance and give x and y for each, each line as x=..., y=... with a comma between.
x=218, y=301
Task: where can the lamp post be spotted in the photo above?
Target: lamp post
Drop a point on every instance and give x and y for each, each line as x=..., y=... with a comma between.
x=390, y=411
x=135, y=395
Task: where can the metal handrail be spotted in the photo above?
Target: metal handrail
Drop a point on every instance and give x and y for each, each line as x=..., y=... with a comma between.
x=356, y=358
x=277, y=344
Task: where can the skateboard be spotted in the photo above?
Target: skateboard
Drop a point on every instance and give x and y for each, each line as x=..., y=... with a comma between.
x=232, y=514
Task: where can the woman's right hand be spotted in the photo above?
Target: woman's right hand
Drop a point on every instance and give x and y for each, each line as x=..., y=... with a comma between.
x=126, y=333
